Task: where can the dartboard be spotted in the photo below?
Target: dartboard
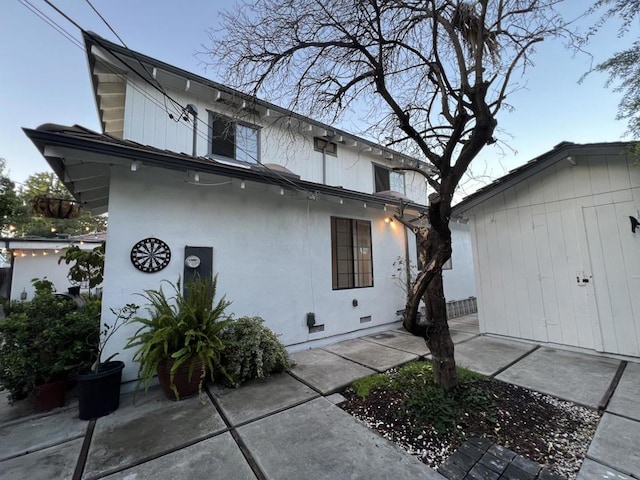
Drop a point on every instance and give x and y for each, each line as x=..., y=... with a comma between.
x=150, y=255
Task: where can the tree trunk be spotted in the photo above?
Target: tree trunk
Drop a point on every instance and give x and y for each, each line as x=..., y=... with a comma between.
x=438, y=337
x=434, y=249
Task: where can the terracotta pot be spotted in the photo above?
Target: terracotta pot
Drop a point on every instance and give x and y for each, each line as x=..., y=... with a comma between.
x=186, y=388
x=50, y=395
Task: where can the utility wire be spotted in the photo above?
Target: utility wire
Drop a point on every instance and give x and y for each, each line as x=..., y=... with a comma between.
x=182, y=108
x=52, y=23
x=104, y=20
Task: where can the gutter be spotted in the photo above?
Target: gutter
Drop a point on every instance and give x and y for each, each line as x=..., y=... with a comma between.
x=42, y=138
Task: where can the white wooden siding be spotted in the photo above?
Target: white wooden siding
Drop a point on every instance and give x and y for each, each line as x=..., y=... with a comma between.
x=535, y=242
x=147, y=122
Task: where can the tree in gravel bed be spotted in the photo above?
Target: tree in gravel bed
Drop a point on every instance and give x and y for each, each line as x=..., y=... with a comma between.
x=433, y=75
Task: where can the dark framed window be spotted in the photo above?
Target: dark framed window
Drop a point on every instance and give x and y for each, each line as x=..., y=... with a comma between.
x=351, y=255
x=233, y=140
x=386, y=179
x=323, y=145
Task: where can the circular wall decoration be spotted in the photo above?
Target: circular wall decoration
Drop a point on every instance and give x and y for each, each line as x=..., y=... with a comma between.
x=150, y=255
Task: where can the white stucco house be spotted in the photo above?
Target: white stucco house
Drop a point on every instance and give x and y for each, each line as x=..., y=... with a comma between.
x=29, y=258
x=295, y=216
x=555, y=256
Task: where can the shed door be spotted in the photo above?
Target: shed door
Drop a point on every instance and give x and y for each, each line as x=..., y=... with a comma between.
x=564, y=301
x=615, y=261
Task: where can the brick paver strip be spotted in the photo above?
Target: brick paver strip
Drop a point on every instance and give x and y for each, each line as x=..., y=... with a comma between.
x=480, y=459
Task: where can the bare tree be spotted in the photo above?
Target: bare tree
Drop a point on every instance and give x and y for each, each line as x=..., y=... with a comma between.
x=435, y=74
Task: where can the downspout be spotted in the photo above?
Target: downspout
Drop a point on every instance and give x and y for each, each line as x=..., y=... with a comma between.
x=324, y=165
x=193, y=110
x=407, y=263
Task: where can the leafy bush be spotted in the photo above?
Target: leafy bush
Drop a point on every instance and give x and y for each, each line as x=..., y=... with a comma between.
x=45, y=340
x=251, y=351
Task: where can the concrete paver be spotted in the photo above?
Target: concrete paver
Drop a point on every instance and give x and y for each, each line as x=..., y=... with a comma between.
x=616, y=443
x=375, y=356
x=27, y=436
x=325, y=371
x=261, y=397
x=217, y=457
x=467, y=323
x=458, y=336
x=408, y=343
x=58, y=461
x=317, y=440
x=293, y=434
x=626, y=398
x=487, y=355
x=576, y=377
x=152, y=426
x=592, y=470
x=19, y=409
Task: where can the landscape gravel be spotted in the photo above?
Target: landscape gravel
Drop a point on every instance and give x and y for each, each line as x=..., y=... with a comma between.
x=554, y=433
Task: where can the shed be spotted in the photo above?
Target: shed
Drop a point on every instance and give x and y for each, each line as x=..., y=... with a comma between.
x=556, y=253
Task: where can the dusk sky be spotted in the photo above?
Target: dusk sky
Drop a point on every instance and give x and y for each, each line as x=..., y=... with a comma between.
x=45, y=79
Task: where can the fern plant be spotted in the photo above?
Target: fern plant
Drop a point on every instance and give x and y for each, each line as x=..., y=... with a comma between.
x=185, y=328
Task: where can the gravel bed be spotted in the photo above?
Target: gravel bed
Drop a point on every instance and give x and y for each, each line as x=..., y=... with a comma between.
x=554, y=433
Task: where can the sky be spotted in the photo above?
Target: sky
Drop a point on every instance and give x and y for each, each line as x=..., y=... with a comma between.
x=44, y=77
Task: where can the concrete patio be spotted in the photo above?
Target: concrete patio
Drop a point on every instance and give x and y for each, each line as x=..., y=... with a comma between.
x=289, y=427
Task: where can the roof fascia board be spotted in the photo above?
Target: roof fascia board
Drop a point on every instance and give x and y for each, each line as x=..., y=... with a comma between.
x=44, y=140
x=554, y=156
x=92, y=40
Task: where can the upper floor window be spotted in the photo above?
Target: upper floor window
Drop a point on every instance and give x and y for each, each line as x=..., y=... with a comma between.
x=230, y=139
x=352, y=261
x=323, y=145
x=386, y=179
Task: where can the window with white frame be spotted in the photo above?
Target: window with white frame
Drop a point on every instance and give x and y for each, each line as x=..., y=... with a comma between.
x=233, y=140
x=351, y=255
x=386, y=179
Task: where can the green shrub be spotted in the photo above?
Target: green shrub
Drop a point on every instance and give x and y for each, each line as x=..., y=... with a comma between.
x=251, y=351
x=425, y=402
x=45, y=340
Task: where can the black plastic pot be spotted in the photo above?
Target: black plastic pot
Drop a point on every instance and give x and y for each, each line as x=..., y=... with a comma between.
x=99, y=393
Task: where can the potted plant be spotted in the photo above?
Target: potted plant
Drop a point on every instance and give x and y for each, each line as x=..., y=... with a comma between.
x=99, y=384
x=42, y=342
x=180, y=340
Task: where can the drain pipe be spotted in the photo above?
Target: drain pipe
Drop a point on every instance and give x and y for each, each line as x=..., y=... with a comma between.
x=407, y=263
x=193, y=110
x=324, y=165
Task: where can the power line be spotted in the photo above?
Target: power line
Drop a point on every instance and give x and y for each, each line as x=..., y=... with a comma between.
x=181, y=110
x=69, y=19
x=52, y=23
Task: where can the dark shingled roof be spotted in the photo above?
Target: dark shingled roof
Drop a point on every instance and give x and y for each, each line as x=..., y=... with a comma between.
x=547, y=159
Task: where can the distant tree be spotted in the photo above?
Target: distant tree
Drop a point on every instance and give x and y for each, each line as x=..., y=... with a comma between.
x=434, y=73
x=623, y=68
x=9, y=201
